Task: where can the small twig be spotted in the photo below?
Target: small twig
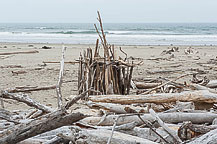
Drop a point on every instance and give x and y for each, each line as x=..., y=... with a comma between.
x=58, y=87
x=2, y=101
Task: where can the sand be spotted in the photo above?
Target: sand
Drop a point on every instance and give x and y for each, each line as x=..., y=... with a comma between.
x=168, y=66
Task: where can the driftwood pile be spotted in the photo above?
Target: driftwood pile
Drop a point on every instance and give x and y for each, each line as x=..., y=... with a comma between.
x=104, y=71
x=131, y=111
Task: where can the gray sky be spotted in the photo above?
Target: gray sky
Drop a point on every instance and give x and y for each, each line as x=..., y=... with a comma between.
x=114, y=11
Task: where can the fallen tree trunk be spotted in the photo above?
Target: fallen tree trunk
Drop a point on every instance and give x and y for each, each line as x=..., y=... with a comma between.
x=176, y=117
x=195, y=96
x=43, y=124
x=25, y=99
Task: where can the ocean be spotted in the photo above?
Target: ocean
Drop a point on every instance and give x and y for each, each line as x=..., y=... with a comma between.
x=116, y=33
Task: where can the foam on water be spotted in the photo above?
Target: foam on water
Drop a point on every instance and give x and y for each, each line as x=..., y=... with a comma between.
x=130, y=34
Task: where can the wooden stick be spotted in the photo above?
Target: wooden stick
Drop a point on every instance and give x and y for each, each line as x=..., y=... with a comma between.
x=58, y=87
x=68, y=62
x=113, y=129
x=165, y=127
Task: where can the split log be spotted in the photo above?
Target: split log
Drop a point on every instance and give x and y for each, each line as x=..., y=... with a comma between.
x=176, y=117
x=117, y=108
x=101, y=136
x=45, y=123
x=187, y=96
x=208, y=138
x=21, y=52
x=142, y=85
x=25, y=99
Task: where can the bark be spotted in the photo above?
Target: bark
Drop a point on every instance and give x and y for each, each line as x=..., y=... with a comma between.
x=194, y=96
x=45, y=123
x=176, y=117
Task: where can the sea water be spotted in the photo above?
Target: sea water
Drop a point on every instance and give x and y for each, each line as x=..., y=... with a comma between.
x=116, y=33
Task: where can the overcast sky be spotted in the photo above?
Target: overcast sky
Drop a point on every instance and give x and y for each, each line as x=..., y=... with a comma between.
x=112, y=11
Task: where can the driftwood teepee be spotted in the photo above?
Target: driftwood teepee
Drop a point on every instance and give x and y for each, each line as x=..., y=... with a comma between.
x=103, y=71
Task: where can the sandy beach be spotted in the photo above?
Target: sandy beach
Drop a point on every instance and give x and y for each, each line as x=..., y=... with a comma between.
x=18, y=70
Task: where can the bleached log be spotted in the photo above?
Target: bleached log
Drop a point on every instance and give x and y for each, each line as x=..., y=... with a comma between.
x=176, y=117
x=142, y=85
x=117, y=108
x=101, y=136
x=171, y=132
x=147, y=133
x=200, y=87
x=208, y=138
x=45, y=123
x=187, y=96
x=212, y=84
x=25, y=99
x=33, y=141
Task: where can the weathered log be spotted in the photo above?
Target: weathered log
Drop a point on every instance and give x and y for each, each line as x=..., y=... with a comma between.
x=208, y=138
x=101, y=136
x=200, y=87
x=45, y=123
x=117, y=108
x=142, y=85
x=187, y=96
x=212, y=84
x=176, y=117
x=25, y=99
x=165, y=127
x=21, y=52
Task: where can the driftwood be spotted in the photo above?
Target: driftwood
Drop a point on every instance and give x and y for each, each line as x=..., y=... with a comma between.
x=165, y=127
x=45, y=123
x=194, y=96
x=208, y=138
x=101, y=136
x=55, y=62
x=117, y=108
x=176, y=117
x=25, y=99
x=188, y=130
x=29, y=89
x=21, y=52
x=142, y=85
x=60, y=81
x=212, y=84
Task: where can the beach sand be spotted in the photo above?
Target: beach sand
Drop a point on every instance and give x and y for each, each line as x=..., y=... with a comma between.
x=35, y=74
